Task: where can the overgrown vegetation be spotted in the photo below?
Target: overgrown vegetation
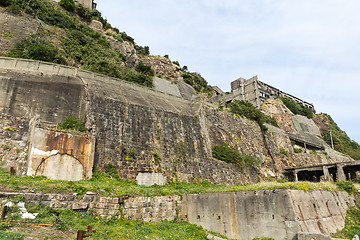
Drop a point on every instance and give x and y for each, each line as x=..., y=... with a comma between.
x=347, y=186
x=112, y=228
x=110, y=184
x=81, y=44
x=246, y=109
x=68, y=5
x=341, y=140
x=352, y=225
x=35, y=48
x=297, y=108
x=298, y=150
x=230, y=154
x=73, y=123
x=197, y=82
x=284, y=152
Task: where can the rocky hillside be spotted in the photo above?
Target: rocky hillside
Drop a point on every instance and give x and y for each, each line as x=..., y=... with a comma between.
x=43, y=30
x=137, y=130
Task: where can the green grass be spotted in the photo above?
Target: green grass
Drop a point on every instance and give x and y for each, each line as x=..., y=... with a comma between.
x=11, y=236
x=108, y=184
x=113, y=228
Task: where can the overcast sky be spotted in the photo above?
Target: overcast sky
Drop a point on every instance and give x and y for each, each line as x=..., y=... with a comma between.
x=308, y=48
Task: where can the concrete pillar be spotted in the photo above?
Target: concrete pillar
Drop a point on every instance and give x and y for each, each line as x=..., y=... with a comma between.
x=340, y=175
x=295, y=176
x=326, y=174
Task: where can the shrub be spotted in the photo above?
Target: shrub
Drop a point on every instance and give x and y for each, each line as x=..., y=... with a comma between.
x=283, y=152
x=36, y=48
x=15, y=9
x=230, y=154
x=297, y=108
x=347, y=186
x=142, y=50
x=84, y=12
x=298, y=150
x=141, y=68
x=74, y=124
x=246, y=109
x=68, y=5
x=197, y=82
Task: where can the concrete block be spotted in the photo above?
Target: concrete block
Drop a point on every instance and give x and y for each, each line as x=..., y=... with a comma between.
x=80, y=205
x=149, y=179
x=312, y=236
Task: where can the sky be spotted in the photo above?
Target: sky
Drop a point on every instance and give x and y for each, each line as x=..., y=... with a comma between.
x=308, y=48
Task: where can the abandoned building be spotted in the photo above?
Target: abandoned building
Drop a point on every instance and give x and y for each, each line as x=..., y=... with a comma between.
x=86, y=3
x=328, y=172
x=255, y=92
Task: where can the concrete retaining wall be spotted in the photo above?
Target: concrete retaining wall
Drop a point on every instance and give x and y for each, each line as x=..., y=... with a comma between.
x=280, y=214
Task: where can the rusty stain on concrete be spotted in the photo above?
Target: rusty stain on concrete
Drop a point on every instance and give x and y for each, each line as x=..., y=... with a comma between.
x=60, y=155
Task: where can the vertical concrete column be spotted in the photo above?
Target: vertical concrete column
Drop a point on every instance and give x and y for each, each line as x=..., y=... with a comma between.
x=295, y=176
x=340, y=175
x=326, y=174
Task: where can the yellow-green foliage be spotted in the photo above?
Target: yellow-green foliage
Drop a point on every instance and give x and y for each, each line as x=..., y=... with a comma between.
x=110, y=184
x=112, y=228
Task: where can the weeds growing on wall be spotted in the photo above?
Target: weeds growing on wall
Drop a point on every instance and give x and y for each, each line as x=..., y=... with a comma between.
x=246, y=109
x=73, y=123
x=347, y=186
x=297, y=108
x=230, y=154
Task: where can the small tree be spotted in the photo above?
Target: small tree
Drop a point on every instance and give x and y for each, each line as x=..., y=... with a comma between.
x=68, y=5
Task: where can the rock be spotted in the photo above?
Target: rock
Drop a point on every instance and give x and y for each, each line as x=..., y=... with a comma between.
x=312, y=236
x=212, y=237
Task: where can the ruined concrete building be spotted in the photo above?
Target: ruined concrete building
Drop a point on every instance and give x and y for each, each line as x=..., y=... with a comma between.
x=86, y=3
x=254, y=91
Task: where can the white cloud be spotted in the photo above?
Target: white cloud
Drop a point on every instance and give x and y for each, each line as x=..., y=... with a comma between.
x=308, y=48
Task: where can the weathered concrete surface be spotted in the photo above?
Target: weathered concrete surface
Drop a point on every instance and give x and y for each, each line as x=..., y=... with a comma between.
x=166, y=86
x=280, y=214
x=149, y=209
x=149, y=179
x=131, y=122
x=60, y=155
x=312, y=236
